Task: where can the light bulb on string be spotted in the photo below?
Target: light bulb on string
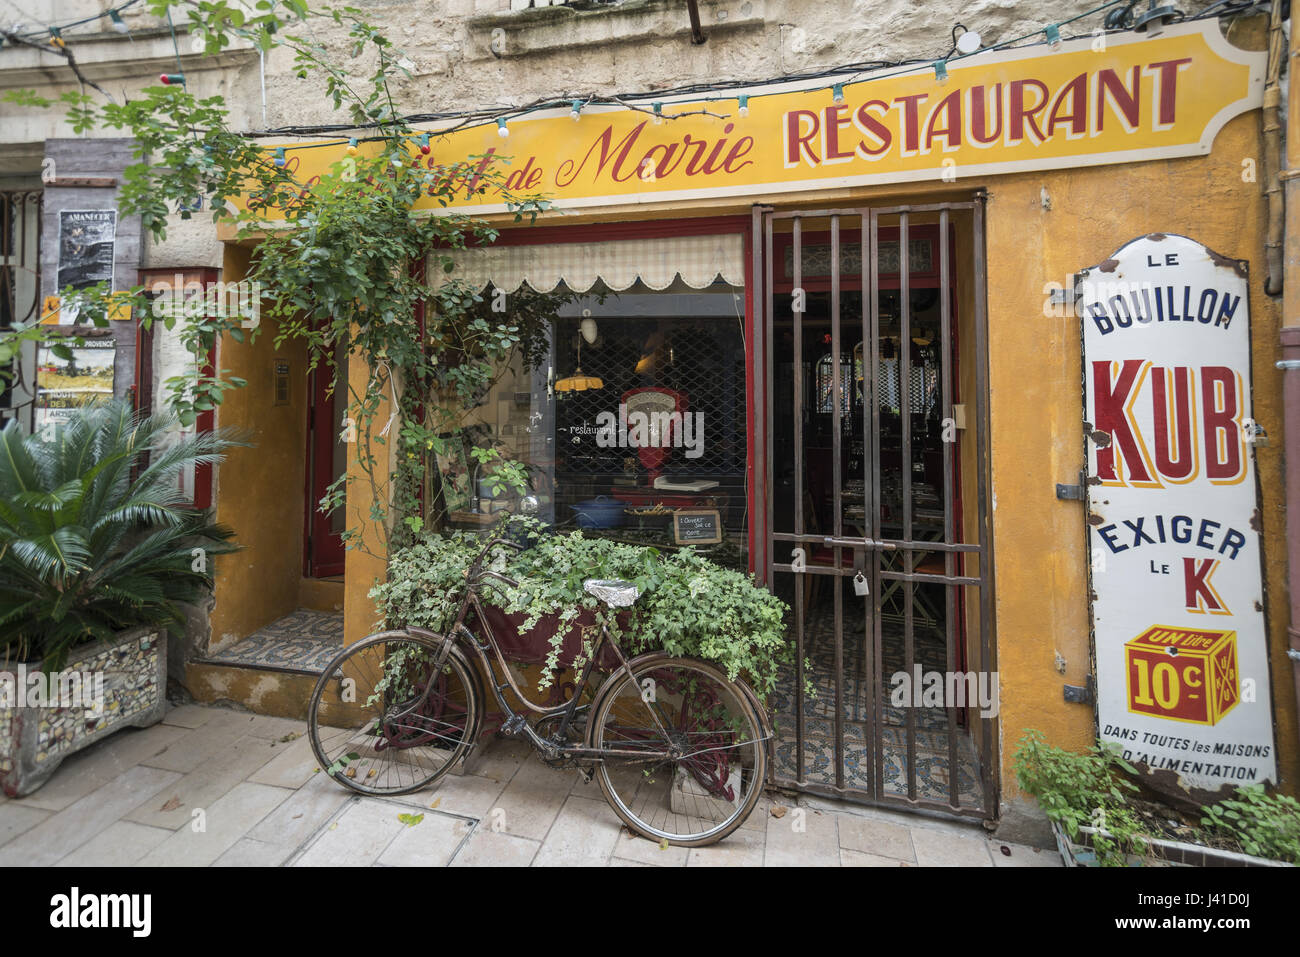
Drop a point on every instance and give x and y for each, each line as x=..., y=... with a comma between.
x=56, y=38
x=279, y=159
x=423, y=140
x=941, y=72
x=115, y=20
x=742, y=102
x=659, y=113
x=502, y=129
x=352, y=146
x=1053, y=33
x=576, y=110
x=837, y=93
x=969, y=42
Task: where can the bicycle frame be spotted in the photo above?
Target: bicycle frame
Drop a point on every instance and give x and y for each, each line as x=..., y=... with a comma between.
x=515, y=721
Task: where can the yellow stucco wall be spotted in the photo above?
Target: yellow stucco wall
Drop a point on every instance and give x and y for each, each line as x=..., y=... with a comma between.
x=1036, y=409
x=259, y=490
x=1040, y=227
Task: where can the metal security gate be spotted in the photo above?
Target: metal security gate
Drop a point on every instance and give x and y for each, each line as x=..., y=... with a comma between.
x=877, y=529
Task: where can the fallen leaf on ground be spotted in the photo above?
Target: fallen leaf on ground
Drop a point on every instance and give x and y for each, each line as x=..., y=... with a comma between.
x=410, y=820
x=778, y=810
x=171, y=805
x=435, y=804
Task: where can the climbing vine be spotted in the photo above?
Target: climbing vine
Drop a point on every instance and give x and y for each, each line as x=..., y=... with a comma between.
x=342, y=261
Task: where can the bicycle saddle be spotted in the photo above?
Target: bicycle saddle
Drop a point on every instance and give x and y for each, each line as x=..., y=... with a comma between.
x=613, y=592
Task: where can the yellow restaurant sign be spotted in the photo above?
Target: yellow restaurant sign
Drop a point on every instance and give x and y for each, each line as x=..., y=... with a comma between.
x=1081, y=104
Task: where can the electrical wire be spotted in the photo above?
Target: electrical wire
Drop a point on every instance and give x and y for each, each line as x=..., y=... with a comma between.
x=77, y=23
x=687, y=93
x=702, y=93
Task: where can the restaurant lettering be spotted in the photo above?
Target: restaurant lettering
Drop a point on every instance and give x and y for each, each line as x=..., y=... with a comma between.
x=1026, y=108
x=985, y=115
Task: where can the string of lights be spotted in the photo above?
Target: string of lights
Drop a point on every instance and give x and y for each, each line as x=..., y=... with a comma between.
x=964, y=46
x=843, y=75
x=113, y=15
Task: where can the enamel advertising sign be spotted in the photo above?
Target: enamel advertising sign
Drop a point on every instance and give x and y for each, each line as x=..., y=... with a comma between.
x=1117, y=98
x=1173, y=515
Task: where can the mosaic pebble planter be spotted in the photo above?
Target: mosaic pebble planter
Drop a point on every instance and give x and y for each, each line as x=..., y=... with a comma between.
x=35, y=741
x=1160, y=853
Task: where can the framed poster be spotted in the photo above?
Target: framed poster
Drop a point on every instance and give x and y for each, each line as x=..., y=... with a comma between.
x=86, y=243
x=454, y=474
x=63, y=385
x=1178, y=613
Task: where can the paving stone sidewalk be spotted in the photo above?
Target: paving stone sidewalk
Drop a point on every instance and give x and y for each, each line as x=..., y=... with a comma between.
x=213, y=786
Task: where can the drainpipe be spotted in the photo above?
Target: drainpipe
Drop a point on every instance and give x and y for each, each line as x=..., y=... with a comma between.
x=1272, y=130
x=1290, y=363
x=697, y=31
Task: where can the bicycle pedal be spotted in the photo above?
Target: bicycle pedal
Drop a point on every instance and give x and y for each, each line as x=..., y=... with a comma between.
x=513, y=726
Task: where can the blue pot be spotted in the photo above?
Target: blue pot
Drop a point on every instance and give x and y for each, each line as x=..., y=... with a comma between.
x=600, y=512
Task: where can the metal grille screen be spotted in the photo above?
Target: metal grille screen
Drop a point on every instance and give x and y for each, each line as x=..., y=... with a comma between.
x=701, y=359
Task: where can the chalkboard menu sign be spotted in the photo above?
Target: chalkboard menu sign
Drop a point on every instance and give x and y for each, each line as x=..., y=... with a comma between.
x=697, y=526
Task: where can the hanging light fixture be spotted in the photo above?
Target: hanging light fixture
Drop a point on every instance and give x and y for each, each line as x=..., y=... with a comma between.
x=579, y=381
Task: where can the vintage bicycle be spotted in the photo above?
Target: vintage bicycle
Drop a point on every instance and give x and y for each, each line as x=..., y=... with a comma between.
x=679, y=750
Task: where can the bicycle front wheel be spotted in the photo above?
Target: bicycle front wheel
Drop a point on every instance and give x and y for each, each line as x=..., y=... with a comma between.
x=384, y=720
x=685, y=751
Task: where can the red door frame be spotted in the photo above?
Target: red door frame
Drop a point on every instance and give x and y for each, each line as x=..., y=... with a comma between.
x=323, y=553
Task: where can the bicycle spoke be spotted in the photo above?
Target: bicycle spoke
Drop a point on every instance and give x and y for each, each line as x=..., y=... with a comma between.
x=402, y=724
x=716, y=758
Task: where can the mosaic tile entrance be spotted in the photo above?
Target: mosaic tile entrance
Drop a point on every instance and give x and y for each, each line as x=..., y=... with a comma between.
x=303, y=641
x=932, y=760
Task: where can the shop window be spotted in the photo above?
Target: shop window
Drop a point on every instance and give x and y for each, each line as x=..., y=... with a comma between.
x=639, y=411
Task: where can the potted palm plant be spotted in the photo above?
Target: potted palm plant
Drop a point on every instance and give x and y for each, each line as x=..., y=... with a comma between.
x=99, y=551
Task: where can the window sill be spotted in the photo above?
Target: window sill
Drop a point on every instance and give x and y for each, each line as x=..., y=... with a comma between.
x=520, y=33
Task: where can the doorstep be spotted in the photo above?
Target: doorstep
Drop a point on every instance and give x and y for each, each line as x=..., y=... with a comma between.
x=273, y=670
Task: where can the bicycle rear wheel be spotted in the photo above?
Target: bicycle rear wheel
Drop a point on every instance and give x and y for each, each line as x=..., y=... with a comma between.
x=715, y=742
x=381, y=721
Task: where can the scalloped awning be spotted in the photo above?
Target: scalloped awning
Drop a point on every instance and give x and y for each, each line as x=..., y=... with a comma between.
x=698, y=260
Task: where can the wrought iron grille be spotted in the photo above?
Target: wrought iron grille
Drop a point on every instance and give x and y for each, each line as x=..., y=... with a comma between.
x=20, y=271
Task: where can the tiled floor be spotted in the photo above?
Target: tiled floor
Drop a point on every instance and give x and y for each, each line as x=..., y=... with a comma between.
x=304, y=641
x=210, y=786
x=933, y=766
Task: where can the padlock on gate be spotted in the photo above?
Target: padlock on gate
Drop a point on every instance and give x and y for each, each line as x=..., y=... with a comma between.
x=860, y=585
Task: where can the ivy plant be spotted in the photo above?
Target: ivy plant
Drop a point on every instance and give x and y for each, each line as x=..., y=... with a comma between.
x=688, y=606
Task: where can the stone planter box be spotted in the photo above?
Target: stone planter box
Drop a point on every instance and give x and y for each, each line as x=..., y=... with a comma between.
x=132, y=673
x=1160, y=853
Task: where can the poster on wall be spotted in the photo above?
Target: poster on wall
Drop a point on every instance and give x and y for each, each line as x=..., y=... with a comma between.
x=63, y=385
x=1177, y=603
x=86, y=240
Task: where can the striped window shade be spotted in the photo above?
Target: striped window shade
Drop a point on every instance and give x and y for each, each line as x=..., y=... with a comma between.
x=698, y=260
